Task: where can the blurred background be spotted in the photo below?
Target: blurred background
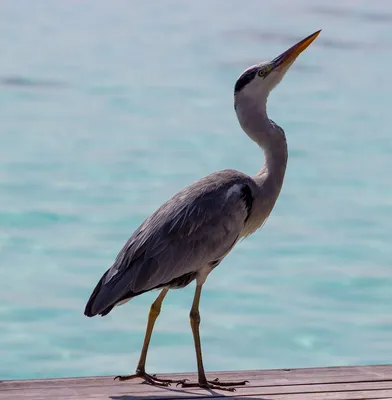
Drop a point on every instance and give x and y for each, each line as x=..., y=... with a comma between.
x=109, y=108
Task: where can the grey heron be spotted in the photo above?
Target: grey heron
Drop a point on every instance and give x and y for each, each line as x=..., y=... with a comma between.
x=189, y=235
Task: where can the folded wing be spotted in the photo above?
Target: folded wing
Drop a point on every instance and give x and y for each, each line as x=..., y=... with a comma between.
x=197, y=227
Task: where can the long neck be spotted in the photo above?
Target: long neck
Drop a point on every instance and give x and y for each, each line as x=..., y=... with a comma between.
x=275, y=150
x=270, y=137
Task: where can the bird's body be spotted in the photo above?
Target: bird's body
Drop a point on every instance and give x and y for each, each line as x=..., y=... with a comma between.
x=187, y=236
x=190, y=234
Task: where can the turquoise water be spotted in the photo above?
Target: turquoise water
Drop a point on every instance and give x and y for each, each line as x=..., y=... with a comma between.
x=107, y=110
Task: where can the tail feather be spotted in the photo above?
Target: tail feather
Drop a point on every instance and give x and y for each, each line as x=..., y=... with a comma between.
x=106, y=295
x=91, y=307
x=103, y=300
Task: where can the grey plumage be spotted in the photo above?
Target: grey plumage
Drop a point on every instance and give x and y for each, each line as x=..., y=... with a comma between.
x=195, y=229
x=189, y=235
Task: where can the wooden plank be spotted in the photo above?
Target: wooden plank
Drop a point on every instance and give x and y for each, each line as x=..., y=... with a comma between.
x=255, y=382
x=361, y=395
x=337, y=383
x=263, y=377
x=70, y=395
x=259, y=386
x=140, y=390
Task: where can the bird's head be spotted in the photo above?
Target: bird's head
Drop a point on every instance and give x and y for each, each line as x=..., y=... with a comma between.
x=254, y=85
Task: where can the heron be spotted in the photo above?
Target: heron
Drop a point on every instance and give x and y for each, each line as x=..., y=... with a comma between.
x=189, y=235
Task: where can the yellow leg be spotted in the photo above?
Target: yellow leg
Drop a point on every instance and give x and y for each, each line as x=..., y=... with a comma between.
x=202, y=380
x=194, y=316
x=155, y=310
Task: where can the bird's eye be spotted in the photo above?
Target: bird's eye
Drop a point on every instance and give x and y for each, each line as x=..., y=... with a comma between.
x=263, y=72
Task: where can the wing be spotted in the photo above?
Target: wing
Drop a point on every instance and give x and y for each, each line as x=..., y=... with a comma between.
x=197, y=227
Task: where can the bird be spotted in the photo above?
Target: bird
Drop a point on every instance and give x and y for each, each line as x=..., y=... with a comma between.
x=189, y=235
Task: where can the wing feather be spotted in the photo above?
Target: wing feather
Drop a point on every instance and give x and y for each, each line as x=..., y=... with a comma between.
x=196, y=227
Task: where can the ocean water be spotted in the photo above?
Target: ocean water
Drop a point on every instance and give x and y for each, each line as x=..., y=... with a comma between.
x=108, y=108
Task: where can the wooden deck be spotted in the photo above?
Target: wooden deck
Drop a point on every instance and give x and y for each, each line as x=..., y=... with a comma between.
x=337, y=383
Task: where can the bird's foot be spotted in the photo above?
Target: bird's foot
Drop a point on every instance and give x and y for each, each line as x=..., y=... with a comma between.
x=150, y=379
x=215, y=384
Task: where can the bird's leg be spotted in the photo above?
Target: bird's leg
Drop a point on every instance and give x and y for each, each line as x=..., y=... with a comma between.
x=202, y=380
x=140, y=369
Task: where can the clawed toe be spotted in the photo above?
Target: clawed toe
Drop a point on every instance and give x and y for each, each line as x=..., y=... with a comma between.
x=214, y=384
x=178, y=381
x=125, y=377
x=216, y=381
x=205, y=386
x=150, y=379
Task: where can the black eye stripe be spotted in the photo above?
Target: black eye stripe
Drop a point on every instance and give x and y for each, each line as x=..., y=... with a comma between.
x=245, y=78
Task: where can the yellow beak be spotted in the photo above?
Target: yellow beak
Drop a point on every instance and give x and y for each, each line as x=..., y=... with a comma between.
x=293, y=52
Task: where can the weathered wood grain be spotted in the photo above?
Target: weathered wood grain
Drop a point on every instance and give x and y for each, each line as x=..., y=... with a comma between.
x=335, y=383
